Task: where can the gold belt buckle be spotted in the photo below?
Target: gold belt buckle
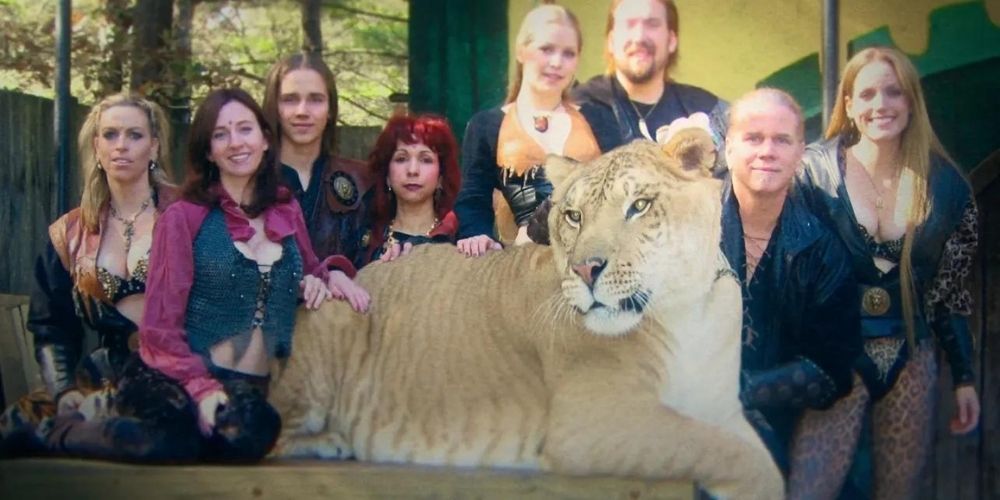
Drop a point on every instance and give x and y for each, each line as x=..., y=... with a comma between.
x=875, y=301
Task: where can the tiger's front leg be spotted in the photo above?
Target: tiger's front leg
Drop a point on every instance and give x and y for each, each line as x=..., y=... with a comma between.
x=326, y=446
x=304, y=386
x=638, y=436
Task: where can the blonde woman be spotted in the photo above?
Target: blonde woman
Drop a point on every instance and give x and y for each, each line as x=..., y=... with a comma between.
x=93, y=269
x=505, y=147
x=908, y=217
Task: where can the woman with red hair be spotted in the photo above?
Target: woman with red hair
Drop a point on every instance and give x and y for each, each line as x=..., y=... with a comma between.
x=415, y=165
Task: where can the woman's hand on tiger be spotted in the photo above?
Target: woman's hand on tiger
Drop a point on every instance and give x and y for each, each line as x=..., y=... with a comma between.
x=314, y=291
x=396, y=251
x=344, y=288
x=478, y=245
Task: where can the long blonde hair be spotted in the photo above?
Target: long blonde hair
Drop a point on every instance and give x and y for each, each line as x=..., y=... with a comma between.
x=96, y=193
x=533, y=21
x=917, y=143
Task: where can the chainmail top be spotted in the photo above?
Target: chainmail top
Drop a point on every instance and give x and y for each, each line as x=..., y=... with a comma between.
x=231, y=296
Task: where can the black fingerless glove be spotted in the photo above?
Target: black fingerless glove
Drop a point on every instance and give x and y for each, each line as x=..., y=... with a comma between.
x=799, y=384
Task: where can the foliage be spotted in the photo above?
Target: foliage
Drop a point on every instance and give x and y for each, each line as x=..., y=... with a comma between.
x=27, y=51
x=233, y=42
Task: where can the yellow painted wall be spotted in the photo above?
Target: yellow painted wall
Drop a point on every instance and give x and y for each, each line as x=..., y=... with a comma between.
x=727, y=46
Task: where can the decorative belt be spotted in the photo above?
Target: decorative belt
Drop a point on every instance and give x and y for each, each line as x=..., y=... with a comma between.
x=880, y=302
x=882, y=313
x=875, y=301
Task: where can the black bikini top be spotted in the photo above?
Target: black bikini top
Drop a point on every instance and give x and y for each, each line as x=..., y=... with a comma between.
x=117, y=288
x=890, y=250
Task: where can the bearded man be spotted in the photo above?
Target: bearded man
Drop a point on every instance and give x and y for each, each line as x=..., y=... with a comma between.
x=641, y=47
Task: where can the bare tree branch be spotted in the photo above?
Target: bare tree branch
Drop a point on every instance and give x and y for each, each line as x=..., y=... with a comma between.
x=388, y=85
x=367, y=13
x=248, y=75
x=375, y=53
x=362, y=107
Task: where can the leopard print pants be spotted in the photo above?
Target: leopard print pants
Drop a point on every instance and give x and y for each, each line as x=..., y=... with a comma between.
x=902, y=428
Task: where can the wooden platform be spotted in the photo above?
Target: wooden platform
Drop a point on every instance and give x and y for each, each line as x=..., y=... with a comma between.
x=81, y=479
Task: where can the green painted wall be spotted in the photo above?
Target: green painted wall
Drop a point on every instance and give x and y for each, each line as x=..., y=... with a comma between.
x=960, y=70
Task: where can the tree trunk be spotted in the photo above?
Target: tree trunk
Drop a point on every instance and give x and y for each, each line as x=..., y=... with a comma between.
x=312, y=35
x=111, y=77
x=150, y=51
x=180, y=92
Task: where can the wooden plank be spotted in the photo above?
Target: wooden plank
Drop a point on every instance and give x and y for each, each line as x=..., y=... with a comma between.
x=79, y=479
x=955, y=459
x=26, y=206
x=13, y=312
x=26, y=345
x=988, y=298
x=28, y=182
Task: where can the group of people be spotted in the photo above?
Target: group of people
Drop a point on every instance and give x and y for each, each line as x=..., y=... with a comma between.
x=850, y=252
x=192, y=290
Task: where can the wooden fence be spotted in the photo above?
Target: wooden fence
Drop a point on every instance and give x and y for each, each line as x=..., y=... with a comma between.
x=28, y=179
x=968, y=467
x=28, y=183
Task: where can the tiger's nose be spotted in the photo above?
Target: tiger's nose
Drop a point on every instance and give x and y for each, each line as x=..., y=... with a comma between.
x=590, y=269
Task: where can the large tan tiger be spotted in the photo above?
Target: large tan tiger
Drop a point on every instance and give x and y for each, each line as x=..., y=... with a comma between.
x=614, y=351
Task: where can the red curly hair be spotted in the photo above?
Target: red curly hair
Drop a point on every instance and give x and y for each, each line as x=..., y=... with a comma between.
x=431, y=130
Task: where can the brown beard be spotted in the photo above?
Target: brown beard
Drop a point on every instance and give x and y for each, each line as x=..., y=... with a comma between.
x=655, y=69
x=647, y=76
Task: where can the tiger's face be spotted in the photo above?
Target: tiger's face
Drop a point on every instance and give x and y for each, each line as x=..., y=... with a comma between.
x=635, y=230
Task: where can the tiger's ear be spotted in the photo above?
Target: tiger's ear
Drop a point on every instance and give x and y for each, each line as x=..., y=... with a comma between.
x=558, y=168
x=693, y=149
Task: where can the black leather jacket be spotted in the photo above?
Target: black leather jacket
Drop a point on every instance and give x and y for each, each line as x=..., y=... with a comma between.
x=824, y=190
x=57, y=316
x=801, y=330
x=815, y=324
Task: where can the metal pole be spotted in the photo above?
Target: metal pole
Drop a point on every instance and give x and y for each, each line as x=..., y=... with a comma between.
x=830, y=57
x=61, y=111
